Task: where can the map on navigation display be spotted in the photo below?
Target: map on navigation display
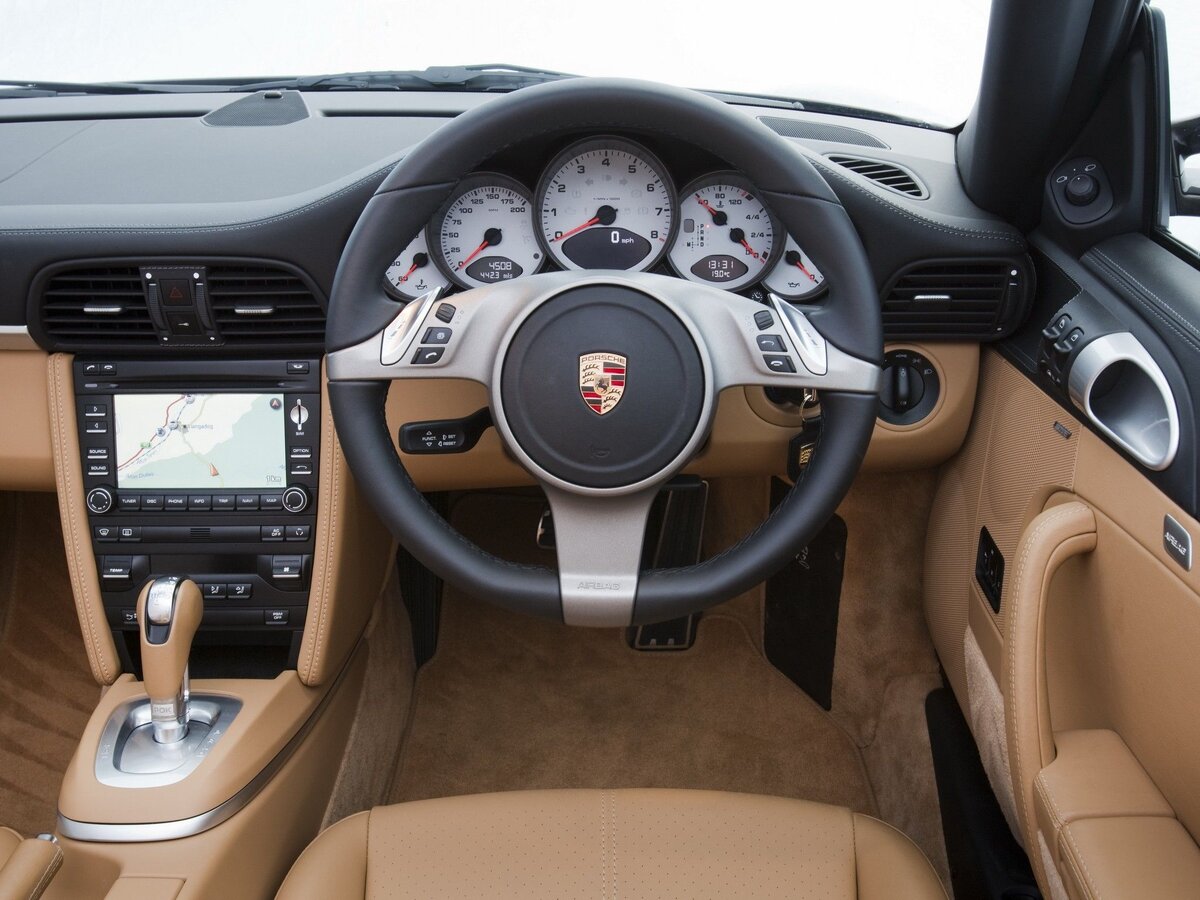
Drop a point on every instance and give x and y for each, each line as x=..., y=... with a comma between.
x=199, y=441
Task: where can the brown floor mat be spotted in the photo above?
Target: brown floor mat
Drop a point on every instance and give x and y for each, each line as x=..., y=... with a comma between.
x=47, y=692
x=511, y=702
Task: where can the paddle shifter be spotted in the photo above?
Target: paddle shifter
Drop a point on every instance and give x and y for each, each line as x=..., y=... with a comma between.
x=168, y=613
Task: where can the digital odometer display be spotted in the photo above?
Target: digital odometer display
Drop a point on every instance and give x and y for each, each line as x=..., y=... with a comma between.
x=186, y=441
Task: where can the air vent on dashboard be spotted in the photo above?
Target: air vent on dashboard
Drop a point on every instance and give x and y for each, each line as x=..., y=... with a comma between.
x=264, y=305
x=886, y=174
x=98, y=305
x=821, y=131
x=947, y=298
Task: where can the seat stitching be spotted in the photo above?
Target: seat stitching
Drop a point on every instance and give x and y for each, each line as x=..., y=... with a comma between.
x=604, y=845
x=616, y=886
x=1077, y=859
x=51, y=869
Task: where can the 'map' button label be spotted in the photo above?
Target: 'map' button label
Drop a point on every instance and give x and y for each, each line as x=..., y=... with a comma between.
x=1177, y=542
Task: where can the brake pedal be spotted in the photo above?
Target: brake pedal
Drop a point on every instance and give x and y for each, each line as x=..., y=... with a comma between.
x=673, y=634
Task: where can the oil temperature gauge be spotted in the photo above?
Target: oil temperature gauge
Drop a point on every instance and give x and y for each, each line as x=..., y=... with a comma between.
x=795, y=276
x=414, y=272
x=726, y=236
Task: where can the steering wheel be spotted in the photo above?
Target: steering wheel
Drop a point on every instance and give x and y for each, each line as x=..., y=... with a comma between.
x=675, y=344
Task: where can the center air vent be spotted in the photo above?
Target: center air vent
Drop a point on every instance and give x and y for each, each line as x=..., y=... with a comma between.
x=887, y=174
x=265, y=305
x=977, y=299
x=102, y=306
x=97, y=305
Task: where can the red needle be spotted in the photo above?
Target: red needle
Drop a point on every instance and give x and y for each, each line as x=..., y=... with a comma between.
x=749, y=249
x=798, y=261
x=705, y=204
x=475, y=252
x=411, y=269
x=588, y=224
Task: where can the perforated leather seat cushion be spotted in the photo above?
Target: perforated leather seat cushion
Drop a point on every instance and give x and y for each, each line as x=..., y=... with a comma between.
x=609, y=844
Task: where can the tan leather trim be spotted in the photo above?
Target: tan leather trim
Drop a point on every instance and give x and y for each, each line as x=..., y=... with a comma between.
x=334, y=865
x=1130, y=856
x=81, y=562
x=248, y=856
x=982, y=624
x=1051, y=538
x=164, y=676
x=352, y=563
x=135, y=888
x=26, y=460
x=271, y=713
x=612, y=843
x=30, y=869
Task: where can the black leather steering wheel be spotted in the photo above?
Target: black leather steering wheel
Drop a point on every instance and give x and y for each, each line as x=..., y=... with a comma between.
x=682, y=342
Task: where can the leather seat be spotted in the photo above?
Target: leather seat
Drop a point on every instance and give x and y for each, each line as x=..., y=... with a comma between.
x=26, y=866
x=612, y=843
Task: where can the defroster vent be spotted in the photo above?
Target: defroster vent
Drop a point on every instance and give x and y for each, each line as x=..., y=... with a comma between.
x=977, y=299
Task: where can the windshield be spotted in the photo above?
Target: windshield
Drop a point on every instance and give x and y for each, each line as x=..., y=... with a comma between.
x=919, y=59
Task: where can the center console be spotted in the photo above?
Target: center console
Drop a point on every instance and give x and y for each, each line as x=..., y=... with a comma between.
x=207, y=470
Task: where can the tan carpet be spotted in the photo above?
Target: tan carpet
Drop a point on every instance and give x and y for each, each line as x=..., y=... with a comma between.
x=511, y=702
x=46, y=689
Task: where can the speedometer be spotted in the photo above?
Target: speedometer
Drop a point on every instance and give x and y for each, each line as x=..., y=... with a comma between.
x=485, y=233
x=606, y=203
x=726, y=236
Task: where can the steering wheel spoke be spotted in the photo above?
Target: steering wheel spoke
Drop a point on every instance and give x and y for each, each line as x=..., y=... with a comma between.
x=599, y=543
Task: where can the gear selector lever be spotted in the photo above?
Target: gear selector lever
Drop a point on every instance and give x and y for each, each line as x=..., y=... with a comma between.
x=168, y=612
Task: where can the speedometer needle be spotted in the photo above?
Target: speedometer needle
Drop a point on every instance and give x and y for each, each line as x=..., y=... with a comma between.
x=739, y=237
x=491, y=238
x=792, y=258
x=605, y=215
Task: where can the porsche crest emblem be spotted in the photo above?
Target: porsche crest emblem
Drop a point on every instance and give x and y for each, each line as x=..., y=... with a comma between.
x=601, y=380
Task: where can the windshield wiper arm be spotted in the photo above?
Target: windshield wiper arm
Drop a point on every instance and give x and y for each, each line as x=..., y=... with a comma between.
x=11, y=88
x=479, y=77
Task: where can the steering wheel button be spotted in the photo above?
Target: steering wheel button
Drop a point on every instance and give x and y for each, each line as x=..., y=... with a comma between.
x=427, y=356
x=771, y=343
x=763, y=319
x=779, y=363
x=436, y=336
x=445, y=312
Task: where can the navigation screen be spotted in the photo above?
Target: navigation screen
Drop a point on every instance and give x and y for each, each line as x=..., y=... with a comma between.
x=199, y=441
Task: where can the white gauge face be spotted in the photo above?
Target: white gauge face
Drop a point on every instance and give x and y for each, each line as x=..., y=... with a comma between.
x=485, y=234
x=726, y=236
x=795, y=276
x=414, y=272
x=606, y=204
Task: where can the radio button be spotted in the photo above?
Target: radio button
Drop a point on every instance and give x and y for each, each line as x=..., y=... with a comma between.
x=202, y=502
x=224, y=501
x=273, y=532
x=175, y=501
x=94, y=453
x=97, y=470
x=301, y=469
x=240, y=591
x=152, y=501
x=247, y=501
x=99, y=500
x=95, y=410
x=96, y=426
x=270, y=501
x=295, y=500
x=128, y=502
x=301, y=453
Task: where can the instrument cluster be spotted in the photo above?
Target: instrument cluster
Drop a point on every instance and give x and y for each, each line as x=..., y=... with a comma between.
x=605, y=203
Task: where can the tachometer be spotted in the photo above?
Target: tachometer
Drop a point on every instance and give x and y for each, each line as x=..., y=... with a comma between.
x=726, y=236
x=485, y=233
x=414, y=272
x=606, y=203
x=795, y=276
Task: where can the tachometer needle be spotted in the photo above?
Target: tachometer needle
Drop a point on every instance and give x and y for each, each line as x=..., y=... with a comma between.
x=792, y=258
x=419, y=261
x=718, y=216
x=739, y=237
x=605, y=215
x=491, y=238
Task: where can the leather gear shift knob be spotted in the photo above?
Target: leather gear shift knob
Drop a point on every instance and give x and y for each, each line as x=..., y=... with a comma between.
x=169, y=610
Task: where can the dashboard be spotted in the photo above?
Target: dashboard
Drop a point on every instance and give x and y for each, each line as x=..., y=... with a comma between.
x=606, y=202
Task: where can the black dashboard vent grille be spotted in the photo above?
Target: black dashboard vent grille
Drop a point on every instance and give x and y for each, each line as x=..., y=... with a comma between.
x=265, y=305
x=821, y=131
x=96, y=305
x=979, y=299
x=886, y=174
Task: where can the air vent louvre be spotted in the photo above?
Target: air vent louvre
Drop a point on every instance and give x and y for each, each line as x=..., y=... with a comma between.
x=980, y=299
x=886, y=174
x=96, y=305
x=264, y=305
